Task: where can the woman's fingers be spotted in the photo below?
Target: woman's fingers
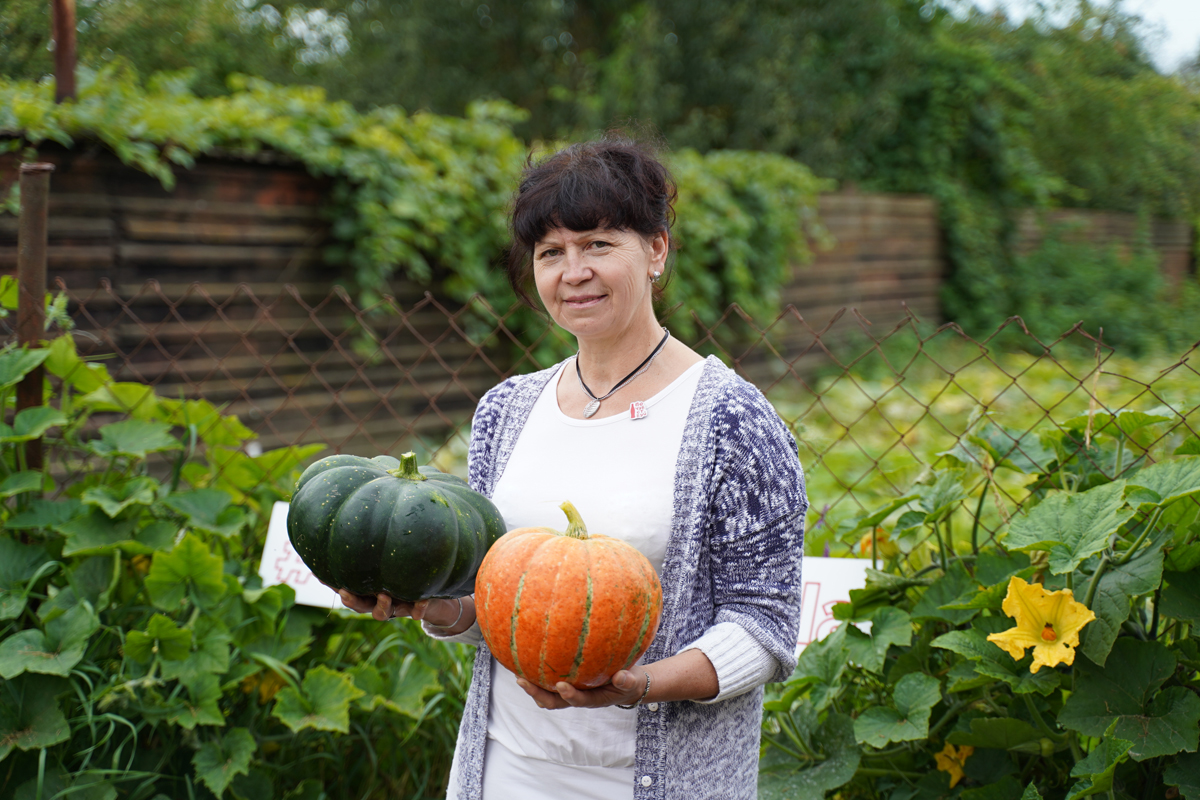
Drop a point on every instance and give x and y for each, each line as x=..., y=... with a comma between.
x=624, y=689
x=356, y=602
x=540, y=696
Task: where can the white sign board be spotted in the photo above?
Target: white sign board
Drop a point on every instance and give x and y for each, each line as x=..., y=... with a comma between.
x=827, y=581
x=281, y=564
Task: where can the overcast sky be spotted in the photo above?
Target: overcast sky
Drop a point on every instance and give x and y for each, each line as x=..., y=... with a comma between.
x=1172, y=26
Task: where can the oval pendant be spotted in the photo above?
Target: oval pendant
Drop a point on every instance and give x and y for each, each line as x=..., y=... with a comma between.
x=591, y=408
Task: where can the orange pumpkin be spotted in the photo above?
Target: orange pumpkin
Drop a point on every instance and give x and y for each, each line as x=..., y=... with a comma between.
x=565, y=606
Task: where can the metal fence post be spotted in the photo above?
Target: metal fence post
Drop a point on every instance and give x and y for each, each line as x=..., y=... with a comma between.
x=31, y=287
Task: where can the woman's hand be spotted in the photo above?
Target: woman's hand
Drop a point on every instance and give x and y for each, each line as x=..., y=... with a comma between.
x=625, y=689
x=684, y=676
x=439, y=613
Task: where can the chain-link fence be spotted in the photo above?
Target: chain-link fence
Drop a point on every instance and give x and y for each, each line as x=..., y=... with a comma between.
x=875, y=413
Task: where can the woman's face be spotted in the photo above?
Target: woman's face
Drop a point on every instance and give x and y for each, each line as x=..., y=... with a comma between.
x=596, y=284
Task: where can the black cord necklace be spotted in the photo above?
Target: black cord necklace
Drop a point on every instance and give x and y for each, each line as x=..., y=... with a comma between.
x=594, y=406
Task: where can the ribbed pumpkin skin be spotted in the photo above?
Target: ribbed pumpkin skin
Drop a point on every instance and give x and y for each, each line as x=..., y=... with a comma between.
x=360, y=527
x=555, y=608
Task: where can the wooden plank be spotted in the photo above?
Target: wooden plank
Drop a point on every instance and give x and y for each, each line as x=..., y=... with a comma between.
x=167, y=255
x=142, y=229
x=63, y=227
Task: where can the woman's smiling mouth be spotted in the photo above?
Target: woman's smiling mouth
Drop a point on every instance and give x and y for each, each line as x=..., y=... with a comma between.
x=583, y=301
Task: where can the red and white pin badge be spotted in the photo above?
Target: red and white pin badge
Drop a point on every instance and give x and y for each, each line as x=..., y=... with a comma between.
x=637, y=410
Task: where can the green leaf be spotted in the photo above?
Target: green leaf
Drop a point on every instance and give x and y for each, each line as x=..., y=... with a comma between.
x=906, y=719
x=188, y=570
x=1190, y=447
x=204, y=692
x=254, y=786
x=943, y=497
x=55, y=652
x=870, y=520
x=823, y=663
x=1114, y=598
x=209, y=652
x=95, y=533
x=213, y=428
x=1097, y=770
x=1126, y=690
x=990, y=661
x=1005, y=788
x=1170, y=479
x=842, y=758
x=135, y=399
x=19, y=563
x=323, y=702
x=208, y=510
x=404, y=691
x=219, y=760
x=15, y=364
x=1071, y=526
x=58, y=785
x=30, y=423
x=1123, y=423
x=20, y=482
x=1022, y=453
x=1185, y=773
x=162, y=637
x=134, y=438
x=889, y=626
x=113, y=499
x=64, y=362
x=944, y=592
x=1180, y=598
x=30, y=718
x=1000, y=733
x=44, y=514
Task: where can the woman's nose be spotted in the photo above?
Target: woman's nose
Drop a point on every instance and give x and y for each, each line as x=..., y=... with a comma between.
x=576, y=270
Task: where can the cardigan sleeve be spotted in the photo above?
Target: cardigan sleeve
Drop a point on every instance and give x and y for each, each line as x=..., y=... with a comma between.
x=756, y=530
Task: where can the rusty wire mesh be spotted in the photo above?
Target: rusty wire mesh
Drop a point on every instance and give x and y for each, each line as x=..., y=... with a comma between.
x=872, y=410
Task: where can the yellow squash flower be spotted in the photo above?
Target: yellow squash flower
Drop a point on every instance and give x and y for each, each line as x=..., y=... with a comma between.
x=885, y=547
x=1049, y=622
x=952, y=760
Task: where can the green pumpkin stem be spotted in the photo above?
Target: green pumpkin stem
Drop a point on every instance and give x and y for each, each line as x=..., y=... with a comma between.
x=575, y=527
x=408, y=468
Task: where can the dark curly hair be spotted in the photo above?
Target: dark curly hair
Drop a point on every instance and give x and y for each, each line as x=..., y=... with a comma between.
x=614, y=182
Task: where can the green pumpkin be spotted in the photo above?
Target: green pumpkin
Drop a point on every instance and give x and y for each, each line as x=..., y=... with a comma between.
x=380, y=524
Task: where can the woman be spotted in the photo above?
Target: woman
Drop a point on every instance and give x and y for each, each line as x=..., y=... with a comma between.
x=657, y=446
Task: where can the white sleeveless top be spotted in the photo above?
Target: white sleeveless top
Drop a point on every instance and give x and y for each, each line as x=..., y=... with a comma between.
x=620, y=473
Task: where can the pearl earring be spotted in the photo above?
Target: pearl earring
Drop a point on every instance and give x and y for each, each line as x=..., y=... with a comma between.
x=654, y=276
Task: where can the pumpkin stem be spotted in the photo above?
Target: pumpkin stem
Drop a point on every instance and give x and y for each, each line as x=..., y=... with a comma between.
x=575, y=527
x=408, y=468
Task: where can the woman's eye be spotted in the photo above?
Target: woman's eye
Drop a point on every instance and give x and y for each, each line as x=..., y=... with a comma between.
x=600, y=244
x=547, y=254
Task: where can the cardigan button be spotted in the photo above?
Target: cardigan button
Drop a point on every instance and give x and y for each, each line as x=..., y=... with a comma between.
x=653, y=706
x=647, y=780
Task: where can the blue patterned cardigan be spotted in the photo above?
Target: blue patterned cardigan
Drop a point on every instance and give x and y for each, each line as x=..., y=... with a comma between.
x=734, y=555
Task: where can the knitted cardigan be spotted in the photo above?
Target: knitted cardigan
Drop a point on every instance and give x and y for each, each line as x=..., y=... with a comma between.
x=733, y=555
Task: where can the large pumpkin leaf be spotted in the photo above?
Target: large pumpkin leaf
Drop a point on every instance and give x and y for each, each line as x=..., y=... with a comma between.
x=218, y=760
x=1071, y=526
x=906, y=719
x=112, y=499
x=20, y=482
x=1098, y=769
x=940, y=499
x=134, y=438
x=1126, y=691
x=213, y=428
x=135, y=399
x=1180, y=598
x=208, y=510
x=19, y=563
x=1185, y=774
x=162, y=637
x=999, y=733
x=15, y=364
x=889, y=626
x=209, y=652
x=201, y=707
x=1023, y=452
x=842, y=758
x=59, y=785
x=992, y=662
x=30, y=718
x=44, y=514
x=30, y=423
x=63, y=361
x=1170, y=479
x=821, y=665
x=945, y=592
x=323, y=702
x=1114, y=599
x=190, y=569
x=53, y=652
